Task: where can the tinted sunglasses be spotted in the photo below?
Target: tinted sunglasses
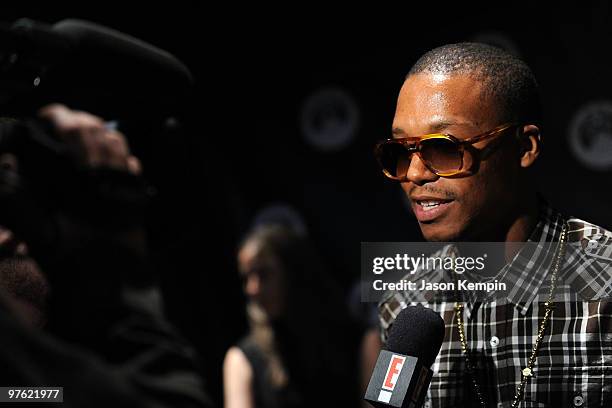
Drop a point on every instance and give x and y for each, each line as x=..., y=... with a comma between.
x=441, y=153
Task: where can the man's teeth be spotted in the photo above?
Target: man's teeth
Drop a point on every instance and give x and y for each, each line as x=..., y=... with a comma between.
x=428, y=205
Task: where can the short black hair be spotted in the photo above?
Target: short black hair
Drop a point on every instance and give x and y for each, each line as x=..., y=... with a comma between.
x=506, y=78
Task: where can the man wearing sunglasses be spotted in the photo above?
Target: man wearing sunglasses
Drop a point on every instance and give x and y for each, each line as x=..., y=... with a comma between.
x=466, y=134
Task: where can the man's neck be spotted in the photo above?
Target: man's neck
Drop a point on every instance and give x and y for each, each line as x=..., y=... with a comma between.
x=516, y=226
x=520, y=226
x=523, y=224
x=516, y=229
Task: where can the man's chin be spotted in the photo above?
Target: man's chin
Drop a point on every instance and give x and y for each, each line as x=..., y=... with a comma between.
x=439, y=232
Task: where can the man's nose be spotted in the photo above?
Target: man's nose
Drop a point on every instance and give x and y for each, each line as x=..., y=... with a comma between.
x=418, y=173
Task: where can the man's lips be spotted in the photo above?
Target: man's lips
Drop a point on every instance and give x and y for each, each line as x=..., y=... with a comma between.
x=428, y=208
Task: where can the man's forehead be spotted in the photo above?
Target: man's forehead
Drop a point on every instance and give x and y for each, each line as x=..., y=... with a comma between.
x=432, y=124
x=436, y=80
x=433, y=103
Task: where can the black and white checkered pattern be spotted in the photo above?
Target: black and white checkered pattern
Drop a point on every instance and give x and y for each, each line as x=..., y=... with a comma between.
x=574, y=363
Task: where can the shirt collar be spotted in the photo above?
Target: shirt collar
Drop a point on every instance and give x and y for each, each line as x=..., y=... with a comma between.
x=529, y=268
x=532, y=265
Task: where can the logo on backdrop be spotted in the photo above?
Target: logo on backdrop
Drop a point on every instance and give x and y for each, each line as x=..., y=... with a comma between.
x=329, y=119
x=590, y=135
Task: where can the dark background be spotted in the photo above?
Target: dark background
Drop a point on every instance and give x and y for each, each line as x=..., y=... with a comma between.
x=241, y=145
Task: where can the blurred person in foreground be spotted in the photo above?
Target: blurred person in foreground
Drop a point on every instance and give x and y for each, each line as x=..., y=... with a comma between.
x=78, y=307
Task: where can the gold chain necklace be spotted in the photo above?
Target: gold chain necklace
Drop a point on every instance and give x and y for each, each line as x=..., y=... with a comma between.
x=526, y=372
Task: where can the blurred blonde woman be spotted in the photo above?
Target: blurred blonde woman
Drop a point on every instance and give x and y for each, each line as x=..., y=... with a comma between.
x=300, y=351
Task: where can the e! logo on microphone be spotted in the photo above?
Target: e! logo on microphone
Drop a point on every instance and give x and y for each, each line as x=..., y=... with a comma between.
x=393, y=371
x=398, y=381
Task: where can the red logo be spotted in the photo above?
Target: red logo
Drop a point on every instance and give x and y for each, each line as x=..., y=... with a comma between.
x=393, y=372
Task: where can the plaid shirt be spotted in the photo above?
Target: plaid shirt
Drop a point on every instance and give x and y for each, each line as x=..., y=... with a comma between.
x=574, y=362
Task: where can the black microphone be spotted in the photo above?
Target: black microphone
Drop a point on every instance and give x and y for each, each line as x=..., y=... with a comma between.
x=88, y=66
x=148, y=65
x=403, y=372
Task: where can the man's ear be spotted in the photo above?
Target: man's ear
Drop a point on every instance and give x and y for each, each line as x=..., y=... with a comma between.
x=531, y=145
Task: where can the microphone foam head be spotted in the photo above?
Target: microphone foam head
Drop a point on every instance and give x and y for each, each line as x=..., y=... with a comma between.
x=418, y=332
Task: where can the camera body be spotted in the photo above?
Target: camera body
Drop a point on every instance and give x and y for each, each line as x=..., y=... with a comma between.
x=86, y=67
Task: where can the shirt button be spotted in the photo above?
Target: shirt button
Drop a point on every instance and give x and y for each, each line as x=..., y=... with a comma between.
x=427, y=404
x=500, y=405
x=591, y=247
x=578, y=401
x=494, y=341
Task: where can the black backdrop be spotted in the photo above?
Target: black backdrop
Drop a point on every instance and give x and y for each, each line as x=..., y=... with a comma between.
x=270, y=81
